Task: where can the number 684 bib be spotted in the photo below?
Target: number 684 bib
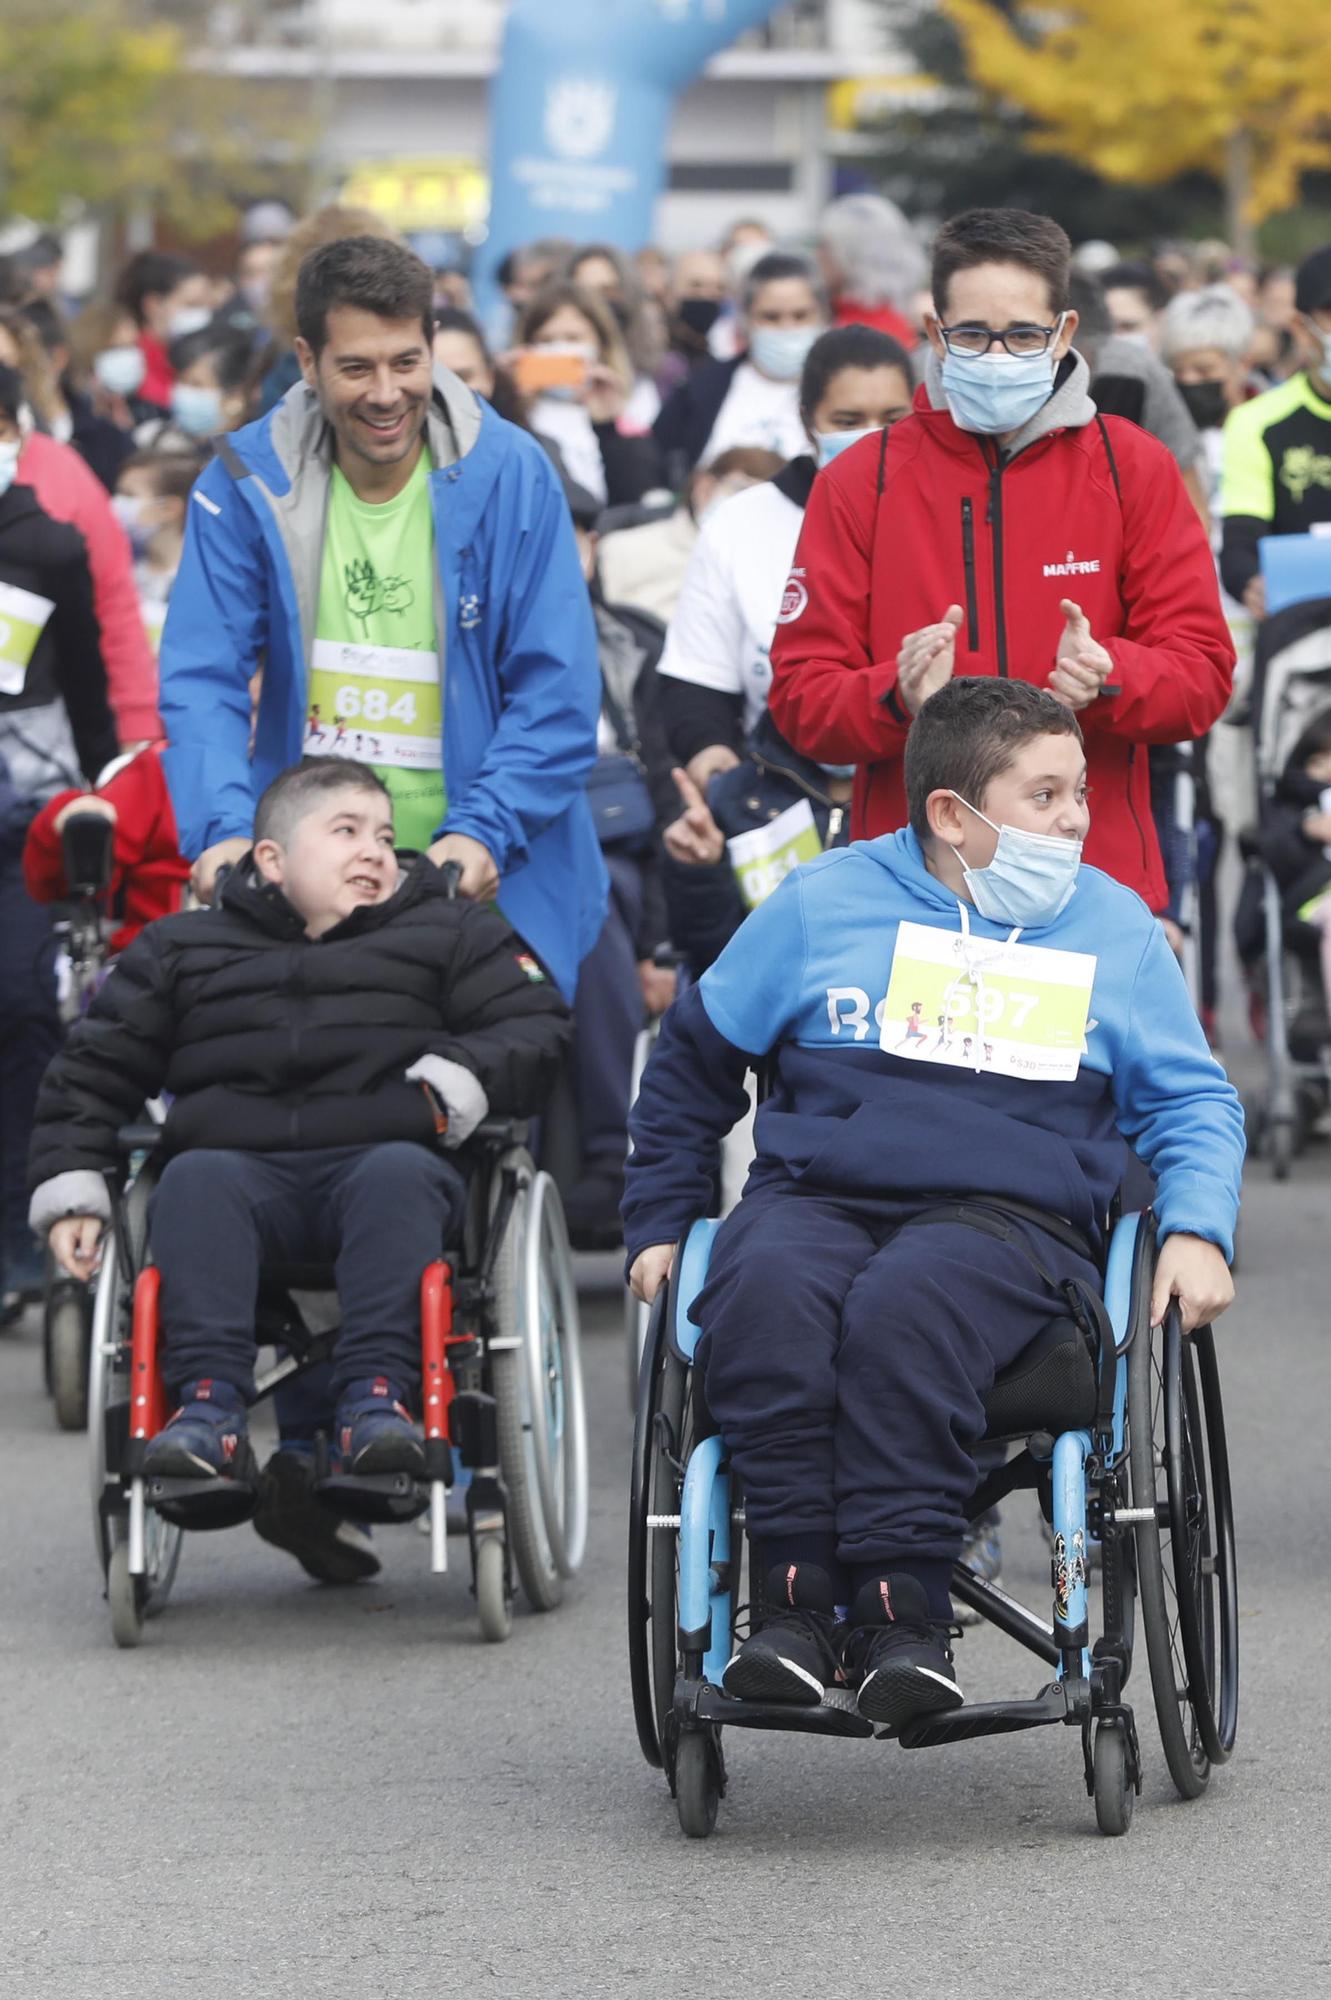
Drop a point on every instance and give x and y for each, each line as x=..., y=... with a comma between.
x=979, y=1003
x=378, y=703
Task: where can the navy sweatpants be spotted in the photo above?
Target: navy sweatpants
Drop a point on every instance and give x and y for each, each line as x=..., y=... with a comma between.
x=845, y=1358
x=377, y=1214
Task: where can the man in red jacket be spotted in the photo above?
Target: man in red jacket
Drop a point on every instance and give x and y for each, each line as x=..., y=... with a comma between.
x=1004, y=528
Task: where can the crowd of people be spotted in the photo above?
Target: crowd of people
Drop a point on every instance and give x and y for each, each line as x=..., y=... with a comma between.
x=626, y=594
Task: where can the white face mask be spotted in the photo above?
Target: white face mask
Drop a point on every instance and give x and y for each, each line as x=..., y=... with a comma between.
x=186, y=320
x=1030, y=878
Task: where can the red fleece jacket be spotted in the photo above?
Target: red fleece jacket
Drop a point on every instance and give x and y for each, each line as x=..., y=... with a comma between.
x=148, y=871
x=948, y=525
x=68, y=491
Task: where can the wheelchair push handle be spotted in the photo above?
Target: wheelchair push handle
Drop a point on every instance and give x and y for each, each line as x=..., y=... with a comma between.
x=451, y=875
x=87, y=841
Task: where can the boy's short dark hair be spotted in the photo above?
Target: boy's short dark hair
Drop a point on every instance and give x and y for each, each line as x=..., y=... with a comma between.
x=969, y=732
x=1002, y=236
x=370, y=272
x=296, y=791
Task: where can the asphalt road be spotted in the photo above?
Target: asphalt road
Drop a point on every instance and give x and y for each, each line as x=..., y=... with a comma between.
x=289, y=1790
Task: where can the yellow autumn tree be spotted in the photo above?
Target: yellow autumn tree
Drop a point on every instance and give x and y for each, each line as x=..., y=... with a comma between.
x=1145, y=90
x=103, y=106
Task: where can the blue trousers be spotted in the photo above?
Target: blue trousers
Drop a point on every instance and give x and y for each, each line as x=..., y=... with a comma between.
x=846, y=1357
x=377, y=1214
x=607, y=1018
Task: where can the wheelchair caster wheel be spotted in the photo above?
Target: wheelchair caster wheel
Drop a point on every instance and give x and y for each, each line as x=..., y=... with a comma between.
x=698, y=1782
x=493, y=1601
x=1115, y=1793
x=67, y=1336
x=124, y=1595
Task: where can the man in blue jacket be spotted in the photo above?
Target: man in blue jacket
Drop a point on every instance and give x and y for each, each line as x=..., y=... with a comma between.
x=846, y=1349
x=399, y=566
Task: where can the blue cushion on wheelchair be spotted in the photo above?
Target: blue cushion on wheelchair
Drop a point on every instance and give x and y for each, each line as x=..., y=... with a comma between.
x=1049, y=1387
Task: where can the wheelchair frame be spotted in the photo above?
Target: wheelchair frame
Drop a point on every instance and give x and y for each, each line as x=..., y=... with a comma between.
x=1152, y=1488
x=502, y=1397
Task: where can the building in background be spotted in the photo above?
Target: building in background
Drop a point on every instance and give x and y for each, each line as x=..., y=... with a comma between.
x=398, y=94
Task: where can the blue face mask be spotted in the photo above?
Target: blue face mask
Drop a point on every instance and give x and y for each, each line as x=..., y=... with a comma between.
x=996, y=393
x=780, y=352
x=831, y=444
x=1030, y=879
x=120, y=369
x=196, y=409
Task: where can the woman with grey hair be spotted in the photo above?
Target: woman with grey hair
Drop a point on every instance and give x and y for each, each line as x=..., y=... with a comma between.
x=1205, y=338
x=874, y=265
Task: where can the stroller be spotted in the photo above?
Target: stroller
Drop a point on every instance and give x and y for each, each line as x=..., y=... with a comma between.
x=1291, y=685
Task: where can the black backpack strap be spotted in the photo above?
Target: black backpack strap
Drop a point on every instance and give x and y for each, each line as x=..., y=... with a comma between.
x=1109, y=454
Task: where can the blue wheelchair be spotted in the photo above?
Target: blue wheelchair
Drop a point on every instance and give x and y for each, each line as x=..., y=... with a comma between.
x=1119, y=1429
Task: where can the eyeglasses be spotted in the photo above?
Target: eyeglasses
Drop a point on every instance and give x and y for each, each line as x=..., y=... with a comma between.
x=1018, y=341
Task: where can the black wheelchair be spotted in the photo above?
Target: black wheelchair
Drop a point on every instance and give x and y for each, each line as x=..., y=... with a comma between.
x=1121, y=1435
x=502, y=1397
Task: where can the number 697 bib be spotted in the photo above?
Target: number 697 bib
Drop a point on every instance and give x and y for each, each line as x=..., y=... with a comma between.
x=979, y=1003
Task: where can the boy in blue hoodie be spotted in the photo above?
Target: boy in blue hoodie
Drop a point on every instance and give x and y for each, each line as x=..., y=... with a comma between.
x=846, y=1350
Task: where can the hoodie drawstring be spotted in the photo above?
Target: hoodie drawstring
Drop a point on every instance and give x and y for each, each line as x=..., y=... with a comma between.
x=975, y=974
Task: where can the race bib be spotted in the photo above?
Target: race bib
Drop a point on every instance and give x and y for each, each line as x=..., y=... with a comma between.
x=377, y=703
x=23, y=617
x=763, y=859
x=1009, y=1009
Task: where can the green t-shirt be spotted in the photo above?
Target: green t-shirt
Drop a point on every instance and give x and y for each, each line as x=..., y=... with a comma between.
x=374, y=677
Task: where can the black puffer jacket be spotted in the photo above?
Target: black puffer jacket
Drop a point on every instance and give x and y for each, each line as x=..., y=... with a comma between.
x=270, y=1041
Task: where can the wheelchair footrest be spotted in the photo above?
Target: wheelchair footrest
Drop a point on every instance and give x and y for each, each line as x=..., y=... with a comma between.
x=202, y=1505
x=382, y=1497
x=988, y=1718
x=835, y=1715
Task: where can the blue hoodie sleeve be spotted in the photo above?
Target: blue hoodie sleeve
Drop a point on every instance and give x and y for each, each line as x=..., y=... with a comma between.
x=212, y=644
x=693, y=1090
x=1176, y=1106
x=549, y=671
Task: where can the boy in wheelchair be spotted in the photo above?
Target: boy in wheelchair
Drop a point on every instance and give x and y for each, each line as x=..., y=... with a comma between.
x=322, y=1030
x=846, y=1348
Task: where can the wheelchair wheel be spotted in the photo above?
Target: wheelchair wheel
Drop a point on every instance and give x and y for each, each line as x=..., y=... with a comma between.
x=699, y=1781
x=66, y=1340
x=1185, y=1558
x=493, y=1603
x=661, y=1442
x=538, y=1389
x=1115, y=1793
x=125, y=1596
x=108, y=1389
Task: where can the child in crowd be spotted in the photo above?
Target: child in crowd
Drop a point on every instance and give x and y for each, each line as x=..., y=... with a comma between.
x=149, y=873
x=1295, y=843
x=846, y=1348
x=319, y=1031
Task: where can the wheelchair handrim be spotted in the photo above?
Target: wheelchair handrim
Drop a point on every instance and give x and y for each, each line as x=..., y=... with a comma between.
x=552, y=1356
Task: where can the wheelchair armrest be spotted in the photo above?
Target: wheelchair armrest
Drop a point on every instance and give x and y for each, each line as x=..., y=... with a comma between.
x=499, y=1133
x=143, y=1137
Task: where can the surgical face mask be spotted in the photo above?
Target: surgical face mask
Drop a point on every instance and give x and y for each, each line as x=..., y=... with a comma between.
x=256, y=293
x=129, y=511
x=781, y=351
x=9, y=452
x=996, y=393
x=1138, y=337
x=1030, y=879
x=120, y=369
x=197, y=410
x=187, y=320
x=1206, y=403
x=1320, y=333
x=831, y=444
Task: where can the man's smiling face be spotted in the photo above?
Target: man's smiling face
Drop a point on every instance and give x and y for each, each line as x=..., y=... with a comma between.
x=372, y=377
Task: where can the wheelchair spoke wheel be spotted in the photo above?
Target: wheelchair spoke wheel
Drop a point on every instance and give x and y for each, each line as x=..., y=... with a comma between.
x=661, y=1440
x=1202, y=1534
x=1157, y=1563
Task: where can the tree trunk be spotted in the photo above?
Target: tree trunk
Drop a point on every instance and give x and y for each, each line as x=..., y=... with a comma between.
x=1239, y=226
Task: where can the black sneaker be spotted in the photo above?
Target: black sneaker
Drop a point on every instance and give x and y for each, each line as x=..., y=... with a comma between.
x=793, y=1656
x=290, y=1516
x=899, y=1653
